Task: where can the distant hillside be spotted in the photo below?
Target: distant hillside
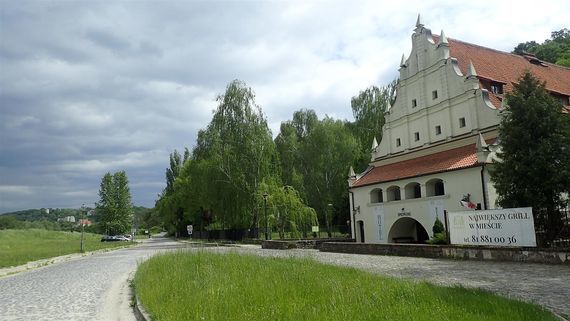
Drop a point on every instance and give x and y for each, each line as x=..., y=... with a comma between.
x=53, y=214
x=43, y=214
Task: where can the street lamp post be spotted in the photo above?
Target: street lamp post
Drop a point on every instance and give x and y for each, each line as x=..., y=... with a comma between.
x=265, y=209
x=329, y=212
x=82, y=225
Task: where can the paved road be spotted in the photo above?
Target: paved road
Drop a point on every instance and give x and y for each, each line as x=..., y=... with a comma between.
x=87, y=288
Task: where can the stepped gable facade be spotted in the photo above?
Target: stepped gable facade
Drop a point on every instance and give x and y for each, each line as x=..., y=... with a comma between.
x=440, y=136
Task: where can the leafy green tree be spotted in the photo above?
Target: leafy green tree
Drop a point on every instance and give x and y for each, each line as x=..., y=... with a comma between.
x=534, y=166
x=114, y=207
x=292, y=135
x=285, y=209
x=327, y=153
x=555, y=50
x=235, y=153
x=368, y=109
x=167, y=205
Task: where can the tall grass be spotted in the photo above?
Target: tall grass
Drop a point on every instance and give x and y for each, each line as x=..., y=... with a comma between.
x=208, y=286
x=21, y=246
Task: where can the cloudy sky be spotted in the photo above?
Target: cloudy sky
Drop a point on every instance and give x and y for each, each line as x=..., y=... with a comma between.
x=88, y=87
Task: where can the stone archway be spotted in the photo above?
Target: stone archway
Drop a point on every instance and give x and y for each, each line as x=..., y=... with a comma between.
x=407, y=230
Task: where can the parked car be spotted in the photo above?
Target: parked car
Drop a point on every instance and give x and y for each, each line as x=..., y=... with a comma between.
x=114, y=238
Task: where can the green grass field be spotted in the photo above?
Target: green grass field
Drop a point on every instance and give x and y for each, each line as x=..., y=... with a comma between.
x=208, y=286
x=21, y=246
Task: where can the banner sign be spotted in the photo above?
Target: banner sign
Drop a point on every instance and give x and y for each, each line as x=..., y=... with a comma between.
x=504, y=227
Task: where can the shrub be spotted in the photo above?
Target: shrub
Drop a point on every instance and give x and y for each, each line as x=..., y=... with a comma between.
x=439, y=238
x=438, y=226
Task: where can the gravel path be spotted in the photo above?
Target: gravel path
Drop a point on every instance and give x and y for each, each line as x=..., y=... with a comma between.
x=546, y=285
x=85, y=288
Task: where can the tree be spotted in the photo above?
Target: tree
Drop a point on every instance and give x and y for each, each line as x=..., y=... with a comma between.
x=327, y=153
x=167, y=205
x=534, y=159
x=235, y=153
x=286, y=209
x=368, y=109
x=114, y=206
x=292, y=136
x=555, y=50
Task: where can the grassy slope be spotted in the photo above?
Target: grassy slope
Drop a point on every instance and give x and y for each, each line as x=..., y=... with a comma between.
x=207, y=286
x=21, y=246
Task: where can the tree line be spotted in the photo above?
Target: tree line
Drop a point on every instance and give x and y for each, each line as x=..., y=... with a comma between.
x=238, y=177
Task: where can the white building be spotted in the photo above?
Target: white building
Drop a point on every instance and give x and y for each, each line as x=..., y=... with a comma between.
x=439, y=137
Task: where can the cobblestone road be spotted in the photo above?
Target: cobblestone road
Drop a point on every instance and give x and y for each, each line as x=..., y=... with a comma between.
x=84, y=288
x=546, y=285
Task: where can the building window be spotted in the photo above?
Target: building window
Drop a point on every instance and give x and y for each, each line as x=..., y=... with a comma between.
x=393, y=193
x=398, y=142
x=497, y=88
x=461, y=122
x=434, y=94
x=376, y=196
x=438, y=130
x=414, y=103
x=416, y=136
x=434, y=187
x=413, y=190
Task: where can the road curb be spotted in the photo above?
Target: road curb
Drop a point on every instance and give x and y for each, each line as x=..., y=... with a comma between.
x=140, y=312
x=12, y=270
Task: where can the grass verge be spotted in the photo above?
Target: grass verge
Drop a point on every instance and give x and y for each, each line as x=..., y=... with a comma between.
x=208, y=286
x=18, y=247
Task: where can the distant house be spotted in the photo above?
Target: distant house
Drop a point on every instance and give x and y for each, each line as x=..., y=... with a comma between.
x=84, y=222
x=439, y=137
x=67, y=219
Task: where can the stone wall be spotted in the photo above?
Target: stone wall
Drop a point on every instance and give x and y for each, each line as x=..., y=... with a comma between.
x=299, y=244
x=533, y=255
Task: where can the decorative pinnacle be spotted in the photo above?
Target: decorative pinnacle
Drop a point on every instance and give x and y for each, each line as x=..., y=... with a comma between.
x=471, y=71
x=351, y=173
x=504, y=104
x=442, y=39
x=419, y=23
x=403, y=62
x=481, y=144
x=374, y=143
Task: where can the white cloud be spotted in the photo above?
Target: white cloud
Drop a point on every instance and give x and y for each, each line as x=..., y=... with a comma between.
x=102, y=86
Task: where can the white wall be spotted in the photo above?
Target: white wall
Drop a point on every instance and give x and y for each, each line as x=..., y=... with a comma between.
x=424, y=209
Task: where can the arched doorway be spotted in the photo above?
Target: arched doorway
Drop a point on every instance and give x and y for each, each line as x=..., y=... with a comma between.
x=407, y=230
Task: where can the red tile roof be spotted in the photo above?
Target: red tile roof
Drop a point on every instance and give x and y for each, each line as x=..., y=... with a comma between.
x=506, y=67
x=452, y=159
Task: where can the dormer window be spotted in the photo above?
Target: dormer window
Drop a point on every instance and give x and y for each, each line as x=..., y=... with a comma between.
x=461, y=122
x=434, y=94
x=416, y=136
x=398, y=142
x=497, y=88
x=414, y=103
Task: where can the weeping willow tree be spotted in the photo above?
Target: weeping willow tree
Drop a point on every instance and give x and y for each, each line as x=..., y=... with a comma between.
x=286, y=210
